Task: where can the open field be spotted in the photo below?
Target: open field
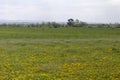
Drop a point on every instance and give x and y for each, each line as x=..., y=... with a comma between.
x=59, y=53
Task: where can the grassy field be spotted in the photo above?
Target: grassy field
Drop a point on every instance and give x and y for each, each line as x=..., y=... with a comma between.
x=59, y=53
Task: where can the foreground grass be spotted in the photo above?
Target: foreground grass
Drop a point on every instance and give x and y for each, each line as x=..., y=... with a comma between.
x=37, y=55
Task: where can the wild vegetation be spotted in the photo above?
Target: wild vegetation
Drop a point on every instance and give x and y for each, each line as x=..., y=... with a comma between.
x=65, y=53
x=70, y=23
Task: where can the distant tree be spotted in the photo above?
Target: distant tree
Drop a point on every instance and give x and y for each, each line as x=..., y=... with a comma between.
x=76, y=23
x=70, y=22
x=55, y=25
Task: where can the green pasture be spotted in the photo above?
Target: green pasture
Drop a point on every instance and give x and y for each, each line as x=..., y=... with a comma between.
x=59, y=53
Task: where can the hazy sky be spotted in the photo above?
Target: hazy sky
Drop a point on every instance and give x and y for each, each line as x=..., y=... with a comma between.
x=61, y=10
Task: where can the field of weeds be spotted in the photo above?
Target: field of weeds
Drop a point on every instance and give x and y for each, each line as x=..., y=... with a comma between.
x=59, y=54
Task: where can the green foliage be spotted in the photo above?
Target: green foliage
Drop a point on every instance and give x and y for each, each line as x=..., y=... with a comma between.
x=76, y=23
x=71, y=23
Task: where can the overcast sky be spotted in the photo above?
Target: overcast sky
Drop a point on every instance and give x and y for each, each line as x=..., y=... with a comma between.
x=61, y=10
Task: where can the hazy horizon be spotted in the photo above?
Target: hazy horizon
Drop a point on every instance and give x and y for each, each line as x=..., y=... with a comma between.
x=97, y=11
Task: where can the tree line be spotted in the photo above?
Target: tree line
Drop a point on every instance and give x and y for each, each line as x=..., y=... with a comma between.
x=70, y=23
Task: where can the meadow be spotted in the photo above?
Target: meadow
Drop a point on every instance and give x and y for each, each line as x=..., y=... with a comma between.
x=31, y=53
